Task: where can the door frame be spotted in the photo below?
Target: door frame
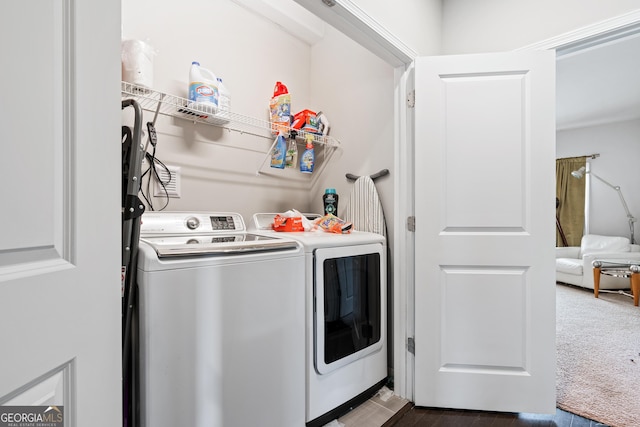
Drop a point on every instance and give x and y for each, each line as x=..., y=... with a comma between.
x=358, y=25
x=592, y=35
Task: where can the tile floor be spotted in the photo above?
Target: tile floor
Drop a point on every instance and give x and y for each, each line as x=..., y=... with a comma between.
x=375, y=412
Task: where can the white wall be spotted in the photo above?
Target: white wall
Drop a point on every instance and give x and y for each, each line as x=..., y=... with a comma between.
x=251, y=53
x=619, y=147
x=416, y=22
x=361, y=93
x=501, y=25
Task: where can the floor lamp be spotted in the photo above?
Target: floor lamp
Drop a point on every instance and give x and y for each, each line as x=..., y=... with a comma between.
x=563, y=238
x=583, y=171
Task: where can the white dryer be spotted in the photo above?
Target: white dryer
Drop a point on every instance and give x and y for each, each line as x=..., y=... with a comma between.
x=346, y=318
x=221, y=323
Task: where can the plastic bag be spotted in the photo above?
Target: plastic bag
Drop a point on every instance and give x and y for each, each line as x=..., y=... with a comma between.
x=333, y=224
x=283, y=223
x=292, y=220
x=137, y=62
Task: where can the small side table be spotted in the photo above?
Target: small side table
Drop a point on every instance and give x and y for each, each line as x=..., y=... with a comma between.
x=630, y=269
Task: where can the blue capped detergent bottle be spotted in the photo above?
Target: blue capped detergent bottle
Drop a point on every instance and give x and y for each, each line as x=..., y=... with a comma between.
x=279, y=152
x=308, y=158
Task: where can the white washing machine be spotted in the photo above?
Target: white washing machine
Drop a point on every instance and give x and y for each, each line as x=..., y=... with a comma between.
x=346, y=319
x=221, y=323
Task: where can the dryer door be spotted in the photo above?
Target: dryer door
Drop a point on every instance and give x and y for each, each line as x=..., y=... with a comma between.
x=350, y=300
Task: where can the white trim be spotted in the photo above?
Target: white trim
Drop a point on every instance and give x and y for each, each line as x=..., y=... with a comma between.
x=355, y=23
x=66, y=243
x=595, y=34
x=403, y=239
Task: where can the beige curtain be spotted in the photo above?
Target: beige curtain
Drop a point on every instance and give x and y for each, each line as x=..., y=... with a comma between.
x=570, y=192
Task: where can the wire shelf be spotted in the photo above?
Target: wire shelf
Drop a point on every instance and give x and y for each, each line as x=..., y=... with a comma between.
x=174, y=106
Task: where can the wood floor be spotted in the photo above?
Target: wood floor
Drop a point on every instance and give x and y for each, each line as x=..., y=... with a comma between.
x=428, y=417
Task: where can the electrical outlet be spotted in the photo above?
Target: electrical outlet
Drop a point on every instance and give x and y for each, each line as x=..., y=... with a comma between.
x=171, y=178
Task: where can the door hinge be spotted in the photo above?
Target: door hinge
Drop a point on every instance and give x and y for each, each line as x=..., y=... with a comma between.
x=411, y=99
x=411, y=345
x=411, y=223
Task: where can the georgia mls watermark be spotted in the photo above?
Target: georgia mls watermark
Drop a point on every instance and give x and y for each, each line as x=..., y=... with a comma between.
x=31, y=416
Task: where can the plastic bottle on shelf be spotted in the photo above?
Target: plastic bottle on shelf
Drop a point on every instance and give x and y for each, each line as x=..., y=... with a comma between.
x=308, y=158
x=224, y=101
x=292, y=152
x=203, y=89
x=330, y=201
x=279, y=152
x=280, y=108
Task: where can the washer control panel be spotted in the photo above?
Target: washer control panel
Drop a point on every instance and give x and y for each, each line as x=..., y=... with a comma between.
x=168, y=223
x=225, y=222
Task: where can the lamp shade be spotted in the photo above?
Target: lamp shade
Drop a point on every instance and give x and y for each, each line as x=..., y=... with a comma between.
x=579, y=173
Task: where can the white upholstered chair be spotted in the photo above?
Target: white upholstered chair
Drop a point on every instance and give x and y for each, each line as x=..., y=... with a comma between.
x=573, y=263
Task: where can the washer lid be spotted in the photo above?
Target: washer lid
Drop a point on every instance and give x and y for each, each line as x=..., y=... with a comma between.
x=182, y=234
x=218, y=244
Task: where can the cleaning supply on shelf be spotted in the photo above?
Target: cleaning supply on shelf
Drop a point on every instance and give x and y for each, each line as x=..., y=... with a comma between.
x=308, y=158
x=137, y=63
x=311, y=123
x=297, y=121
x=291, y=159
x=280, y=108
x=279, y=152
x=203, y=89
x=305, y=120
x=330, y=201
x=224, y=101
x=323, y=123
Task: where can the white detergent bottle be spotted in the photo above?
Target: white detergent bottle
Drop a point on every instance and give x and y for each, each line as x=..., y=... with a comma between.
x=203, y=89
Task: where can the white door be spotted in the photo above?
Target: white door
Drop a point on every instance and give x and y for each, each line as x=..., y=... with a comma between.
x=60, y=218
x=485, y=286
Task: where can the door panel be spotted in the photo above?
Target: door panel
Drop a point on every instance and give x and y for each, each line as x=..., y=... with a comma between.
x=33, y=229
x=485, y=301
x=60, y=221
x=478, y=345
